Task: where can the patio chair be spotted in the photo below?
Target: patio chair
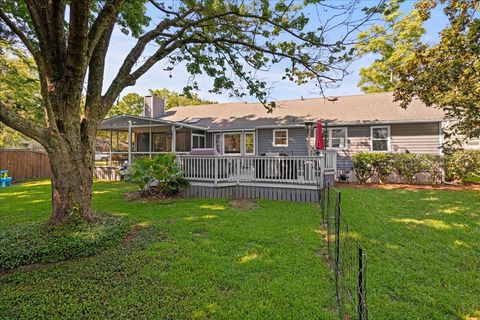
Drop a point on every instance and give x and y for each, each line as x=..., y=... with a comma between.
x=344, y=176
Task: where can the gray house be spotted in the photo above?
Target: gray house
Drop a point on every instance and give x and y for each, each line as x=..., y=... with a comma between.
x=241, y=149
x=371, y=122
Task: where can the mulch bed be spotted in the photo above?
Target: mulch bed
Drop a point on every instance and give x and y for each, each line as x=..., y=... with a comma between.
x=394, y=186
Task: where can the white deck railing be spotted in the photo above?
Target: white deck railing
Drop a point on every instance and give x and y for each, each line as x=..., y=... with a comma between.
x=288, y=169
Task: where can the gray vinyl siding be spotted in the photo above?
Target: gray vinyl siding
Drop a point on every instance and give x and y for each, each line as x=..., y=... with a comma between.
x=416, y=137
x=297, y=142
x=209, y=140
x=358, y=140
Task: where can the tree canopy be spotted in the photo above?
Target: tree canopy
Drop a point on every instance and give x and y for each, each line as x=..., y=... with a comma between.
x=18, y=84
x=131, y=103
x=393, y=43
x=446, y=75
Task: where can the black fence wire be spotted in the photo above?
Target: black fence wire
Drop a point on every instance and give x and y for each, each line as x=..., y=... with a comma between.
x=346, y=256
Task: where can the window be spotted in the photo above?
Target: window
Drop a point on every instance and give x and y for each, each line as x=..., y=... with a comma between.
x=249, y=139
x=380, y=138
x=337, y=138
x=217, y=142
x=280, y=138
x=231, y=143
x=198, y=141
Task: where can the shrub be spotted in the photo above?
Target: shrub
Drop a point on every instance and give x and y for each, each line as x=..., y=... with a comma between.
x=382, y=166
x=460, y=165
x=40, y=243
x=432, y=164
x=159, y=175
x=407, y=165
x=369, y=164
x=363, y=166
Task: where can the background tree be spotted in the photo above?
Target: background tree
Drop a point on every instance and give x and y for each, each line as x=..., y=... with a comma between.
x=393, y=43
x=225, y=40
x=176, y=99
x=131, y=103
x=446, y=75
x=18, y=84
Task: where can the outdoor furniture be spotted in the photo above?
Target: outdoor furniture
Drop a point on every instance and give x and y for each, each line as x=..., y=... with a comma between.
x=344, y=176
x=5, y=180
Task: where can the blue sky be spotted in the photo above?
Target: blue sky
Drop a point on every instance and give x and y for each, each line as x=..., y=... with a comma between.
x=157, y=78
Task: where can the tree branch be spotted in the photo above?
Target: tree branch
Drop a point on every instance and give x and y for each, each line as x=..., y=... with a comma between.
x=19, y=123
x=105, y=19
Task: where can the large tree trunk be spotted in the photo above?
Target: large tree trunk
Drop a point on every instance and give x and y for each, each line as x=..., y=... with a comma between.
x=72, y=181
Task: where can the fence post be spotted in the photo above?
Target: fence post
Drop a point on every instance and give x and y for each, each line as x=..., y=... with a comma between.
x=337, y=250
x=361, y=284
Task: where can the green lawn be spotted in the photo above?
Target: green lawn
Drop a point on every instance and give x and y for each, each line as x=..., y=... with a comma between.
x=423, y=251
x=198, y=259
x=208, y=260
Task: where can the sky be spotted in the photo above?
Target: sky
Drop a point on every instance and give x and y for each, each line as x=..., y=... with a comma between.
x=157, y=78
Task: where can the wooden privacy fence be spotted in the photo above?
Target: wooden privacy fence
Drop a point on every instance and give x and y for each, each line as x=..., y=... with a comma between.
x=25, y=164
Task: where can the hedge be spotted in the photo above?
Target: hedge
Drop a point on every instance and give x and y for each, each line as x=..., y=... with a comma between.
x=404, y=165
x=458, y=166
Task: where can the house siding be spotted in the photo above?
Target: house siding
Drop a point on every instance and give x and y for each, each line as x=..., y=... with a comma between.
x=209, y=140
x=416, y=138
x=358, y=140
x=297, y=142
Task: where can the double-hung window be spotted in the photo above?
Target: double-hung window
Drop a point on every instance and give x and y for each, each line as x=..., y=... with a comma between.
x=280, y=138
x=380, y=136
x=337, y=138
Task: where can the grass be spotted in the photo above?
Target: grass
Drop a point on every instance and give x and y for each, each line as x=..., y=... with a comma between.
x=204, y=259
x=423, y=251
x=36, y=242
x=192, y=259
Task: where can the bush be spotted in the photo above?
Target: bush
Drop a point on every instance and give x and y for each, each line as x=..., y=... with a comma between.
x=382, y=166
x=369, y=164
x=363, y=166
x=407, y=165
x=433, y=165
x=461, y=165
x=159, y=175
x=40, y=243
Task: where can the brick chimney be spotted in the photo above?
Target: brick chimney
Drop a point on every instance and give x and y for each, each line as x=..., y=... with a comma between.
x=153, y=107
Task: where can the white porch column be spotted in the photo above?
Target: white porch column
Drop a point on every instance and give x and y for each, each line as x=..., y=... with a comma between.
x=129, y=142
x=150, y=142
x=174, y=139
x=111, y=142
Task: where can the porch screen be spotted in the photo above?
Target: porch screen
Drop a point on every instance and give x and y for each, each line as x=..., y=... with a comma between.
x=183, y=141
x=231, y=143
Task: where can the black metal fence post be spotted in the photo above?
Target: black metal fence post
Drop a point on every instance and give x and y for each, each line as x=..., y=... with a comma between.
x=337, y=247
x=361, y=300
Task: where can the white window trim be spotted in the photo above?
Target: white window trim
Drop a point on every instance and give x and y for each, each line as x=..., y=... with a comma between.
x=329, y=140
x=241, y=143
x=197, y=135
x=221, y=141
x=273, y=135
x=389, y=140
x=245, y=142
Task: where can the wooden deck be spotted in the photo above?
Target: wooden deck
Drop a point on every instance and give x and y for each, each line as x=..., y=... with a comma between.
x=277, y=178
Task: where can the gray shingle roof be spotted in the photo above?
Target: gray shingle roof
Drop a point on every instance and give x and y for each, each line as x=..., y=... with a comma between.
x=358, y=109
